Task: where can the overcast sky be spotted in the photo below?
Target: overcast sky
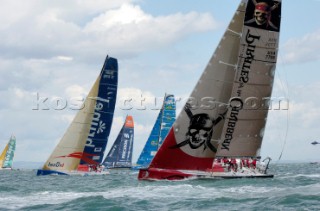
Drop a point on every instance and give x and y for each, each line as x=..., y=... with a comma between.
x=55, y=50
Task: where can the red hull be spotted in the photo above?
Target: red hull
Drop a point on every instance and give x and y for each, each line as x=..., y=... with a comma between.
x=168, y=161
x=170, y=174
x=161, y=174
x=166, y=174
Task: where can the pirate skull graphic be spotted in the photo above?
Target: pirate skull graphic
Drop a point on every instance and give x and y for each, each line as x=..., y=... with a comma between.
x=262, y=15
x=200, y=130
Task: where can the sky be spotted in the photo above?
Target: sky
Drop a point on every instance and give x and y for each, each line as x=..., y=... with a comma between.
x=55, y=50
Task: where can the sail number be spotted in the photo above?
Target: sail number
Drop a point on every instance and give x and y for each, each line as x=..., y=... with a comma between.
x=271, y=55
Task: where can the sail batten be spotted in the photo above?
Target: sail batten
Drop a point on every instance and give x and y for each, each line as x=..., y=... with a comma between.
x=234, y=32
x=228, y=64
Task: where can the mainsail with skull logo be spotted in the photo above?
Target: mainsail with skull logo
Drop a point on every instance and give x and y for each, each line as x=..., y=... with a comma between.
x=227, y=110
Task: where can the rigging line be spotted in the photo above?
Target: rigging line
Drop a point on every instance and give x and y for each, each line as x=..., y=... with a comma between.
x=288, y=112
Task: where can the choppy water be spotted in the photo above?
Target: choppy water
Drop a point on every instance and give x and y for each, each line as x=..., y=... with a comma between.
x=295, y=187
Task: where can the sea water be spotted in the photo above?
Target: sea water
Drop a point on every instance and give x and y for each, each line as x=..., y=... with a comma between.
x=294, y=187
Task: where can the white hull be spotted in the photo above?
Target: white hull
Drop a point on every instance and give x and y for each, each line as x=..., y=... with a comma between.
x=244, y=173
x=41, y=172
x=232, y=175
x=82, y=173
x=169, y=174
x=5, y=168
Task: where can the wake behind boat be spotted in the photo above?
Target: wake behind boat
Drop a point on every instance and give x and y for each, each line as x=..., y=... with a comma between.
x=84, y=143
x=233, y=93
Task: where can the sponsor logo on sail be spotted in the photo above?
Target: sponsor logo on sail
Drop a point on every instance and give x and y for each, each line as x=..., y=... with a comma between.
x=124, y=150
x=97, y=125
x=57, y=164
x=80, y=155
x=236, y=103
x=154, y=143
x=102, y=127
x=250, y=38
x=125, y=145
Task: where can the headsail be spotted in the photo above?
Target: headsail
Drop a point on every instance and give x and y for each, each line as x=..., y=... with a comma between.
x=6, y=157
x=214, y=117
x=163, y=124
x=91, y=125
x=120, y=154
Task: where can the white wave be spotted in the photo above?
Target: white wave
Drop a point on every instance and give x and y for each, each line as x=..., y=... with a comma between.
x=169, y=192
x=300, y=175
x=46, y=197
x=186, y=191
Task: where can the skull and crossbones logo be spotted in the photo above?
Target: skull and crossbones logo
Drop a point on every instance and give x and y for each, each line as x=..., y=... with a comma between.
x=200, y=130
x=262, y=14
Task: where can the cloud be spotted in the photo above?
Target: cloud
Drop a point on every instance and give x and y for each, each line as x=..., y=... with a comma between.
x=303, y=49
x=129, y=30
x=296, y=127
x=52, y=30
x=305, y=107
x=78, y=11
x=56, y=49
